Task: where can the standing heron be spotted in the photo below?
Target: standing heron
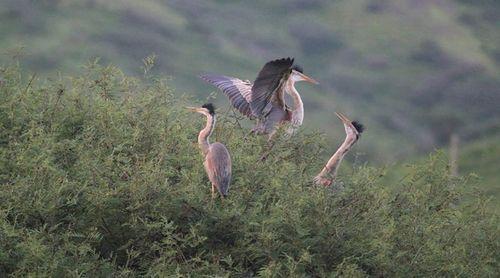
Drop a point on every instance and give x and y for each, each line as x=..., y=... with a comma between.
x=353, y=131
x=217, y=159
x=265, y=99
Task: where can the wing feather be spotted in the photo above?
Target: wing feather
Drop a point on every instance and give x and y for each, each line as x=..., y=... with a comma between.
x=269, y=85
x=237, y=90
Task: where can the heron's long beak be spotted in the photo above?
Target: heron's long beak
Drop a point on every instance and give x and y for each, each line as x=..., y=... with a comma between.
x=194, y=109
x=343, y=118
x=308, y=79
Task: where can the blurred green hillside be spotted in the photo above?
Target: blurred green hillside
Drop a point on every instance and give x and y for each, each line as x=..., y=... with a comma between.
x=413, y=71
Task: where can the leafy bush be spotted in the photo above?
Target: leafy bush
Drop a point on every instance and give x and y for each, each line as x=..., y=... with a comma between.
x=100, y=175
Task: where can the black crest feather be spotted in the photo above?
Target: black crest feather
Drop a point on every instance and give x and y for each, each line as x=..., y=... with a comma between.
x=210, y=107
x=298, y=68
x=358, y=126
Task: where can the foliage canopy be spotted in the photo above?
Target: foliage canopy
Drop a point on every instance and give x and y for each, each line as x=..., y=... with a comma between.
x=100, y=176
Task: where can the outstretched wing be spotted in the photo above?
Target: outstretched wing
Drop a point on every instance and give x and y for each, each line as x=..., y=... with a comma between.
x=218, y=166
x=238, y=91
x=269, y=84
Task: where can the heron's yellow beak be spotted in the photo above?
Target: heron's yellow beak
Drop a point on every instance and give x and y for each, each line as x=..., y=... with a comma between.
x=343, y=118
x=194, y=109
x=307, y=78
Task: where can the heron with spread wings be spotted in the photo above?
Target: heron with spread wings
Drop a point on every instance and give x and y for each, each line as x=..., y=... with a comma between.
x=265, y=98
x=353, y=130
x=217, y=159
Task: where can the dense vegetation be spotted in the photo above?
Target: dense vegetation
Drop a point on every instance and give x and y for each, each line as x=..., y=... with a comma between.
x=100, y=175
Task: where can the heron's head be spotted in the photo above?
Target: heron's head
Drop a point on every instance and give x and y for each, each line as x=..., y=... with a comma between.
x=298, y=75
x=351, y=127
x=207, y=109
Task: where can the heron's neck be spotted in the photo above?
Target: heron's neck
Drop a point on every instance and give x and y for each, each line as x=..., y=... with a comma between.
x=205, y=134
x=298, y=105
x=333, y=163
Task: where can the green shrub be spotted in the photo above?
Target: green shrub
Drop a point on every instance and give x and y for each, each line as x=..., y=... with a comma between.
x=100, y=175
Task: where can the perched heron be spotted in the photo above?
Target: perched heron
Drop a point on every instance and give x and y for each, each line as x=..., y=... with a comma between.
x=265, y=99
x=217, y=159
x=353, y=131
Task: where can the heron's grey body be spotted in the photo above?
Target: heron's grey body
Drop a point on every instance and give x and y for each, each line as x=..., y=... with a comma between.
x=218, y=167
x=217, y=159
x=264, y=99
x=275, y=117
x=239, y=94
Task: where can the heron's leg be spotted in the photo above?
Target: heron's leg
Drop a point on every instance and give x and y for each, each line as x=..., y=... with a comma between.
x=258, y=128
x=251, y=132
x=270, y=144
x=290, y=131
x=213, y=191
x=271, y=136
